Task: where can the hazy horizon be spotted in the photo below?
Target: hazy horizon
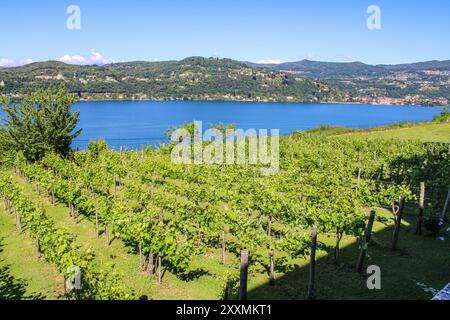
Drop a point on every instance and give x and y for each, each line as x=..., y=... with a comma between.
x=206, y=57
x=256, y=31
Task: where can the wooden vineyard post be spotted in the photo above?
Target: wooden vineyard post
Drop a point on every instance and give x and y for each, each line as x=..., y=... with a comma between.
x=141, y=263
x=271, y=258
x=223, y=246
x=159, y=269
x=312, y=264
x=159, y=258
x=367, y=236
x=152, y=194
x=243, y=275
x=398, y=222
x=97, y=229
x=37, y=247
x=271, y=269
x=227, y=291
x=115, y=187
x=269, y=226
x=421, y=207
x=444, y=210
x=150, y=266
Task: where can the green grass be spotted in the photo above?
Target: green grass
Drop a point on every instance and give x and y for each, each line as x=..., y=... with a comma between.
x=22, y=274
x=427, y=132
x=419, y=259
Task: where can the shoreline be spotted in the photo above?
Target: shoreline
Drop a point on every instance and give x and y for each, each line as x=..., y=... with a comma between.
x=263, y=102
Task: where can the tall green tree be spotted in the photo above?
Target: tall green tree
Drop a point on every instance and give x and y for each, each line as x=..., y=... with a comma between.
x=40, y=122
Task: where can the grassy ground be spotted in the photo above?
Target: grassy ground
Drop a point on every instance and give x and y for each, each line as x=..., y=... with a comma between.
x=414, y=271
x=430, y=132
x=419, y=262
x=22, y=274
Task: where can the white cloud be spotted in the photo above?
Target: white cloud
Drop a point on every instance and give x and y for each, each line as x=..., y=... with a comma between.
x=5, y=62
x=93, y=58
x=269, y=61
x=73, y=59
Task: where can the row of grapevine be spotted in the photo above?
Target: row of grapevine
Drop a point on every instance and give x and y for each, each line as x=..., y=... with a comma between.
x=169, y=213
x=59, y=247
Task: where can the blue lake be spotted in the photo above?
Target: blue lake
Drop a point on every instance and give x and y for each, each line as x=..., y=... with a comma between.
x=136, y=123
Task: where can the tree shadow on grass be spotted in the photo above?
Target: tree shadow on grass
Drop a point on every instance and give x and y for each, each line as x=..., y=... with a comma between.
x=12, y=288
x=418, y=259
x=193, y=275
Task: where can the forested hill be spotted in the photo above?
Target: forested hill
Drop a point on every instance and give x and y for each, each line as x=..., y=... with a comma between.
x=426, y=83
x=334, y=70
x=191, y=78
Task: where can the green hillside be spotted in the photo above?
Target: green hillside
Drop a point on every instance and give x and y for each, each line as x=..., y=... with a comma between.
x=422, y=83
x=193, y=78
x=428, y=132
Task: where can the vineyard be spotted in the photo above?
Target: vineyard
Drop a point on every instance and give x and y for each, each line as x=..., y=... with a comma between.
x=137, y=224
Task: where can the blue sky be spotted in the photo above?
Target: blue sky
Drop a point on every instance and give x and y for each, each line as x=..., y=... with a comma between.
x=282, y=30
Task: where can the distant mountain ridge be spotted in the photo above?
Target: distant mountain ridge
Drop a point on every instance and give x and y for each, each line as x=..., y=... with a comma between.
x=420, y=83
x=193, y=78
x=319, y=69
x=198, y=78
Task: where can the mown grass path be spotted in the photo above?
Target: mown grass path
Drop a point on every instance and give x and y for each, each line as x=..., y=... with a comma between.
x=429, y=132
x=22, y=274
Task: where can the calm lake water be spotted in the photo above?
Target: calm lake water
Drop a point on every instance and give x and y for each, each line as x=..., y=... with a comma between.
x=136, y=123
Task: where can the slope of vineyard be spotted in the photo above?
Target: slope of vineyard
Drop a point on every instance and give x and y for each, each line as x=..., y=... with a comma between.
x=116, y=257
x=193, y=78
x=176, y=231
